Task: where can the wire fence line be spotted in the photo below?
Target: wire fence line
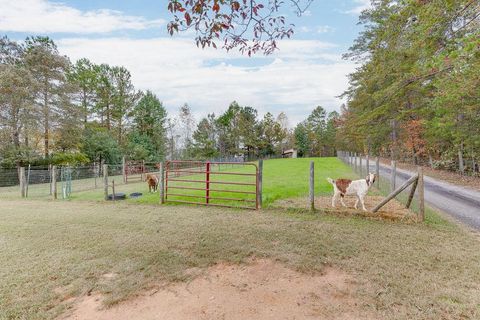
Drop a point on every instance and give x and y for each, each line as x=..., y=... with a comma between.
x=388, y=178
x=37, y=181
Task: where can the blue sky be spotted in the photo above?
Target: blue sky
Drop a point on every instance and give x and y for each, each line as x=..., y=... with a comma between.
x=307, y=70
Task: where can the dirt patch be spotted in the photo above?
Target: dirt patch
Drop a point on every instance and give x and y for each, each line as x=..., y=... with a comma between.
x=393, y=210
x=262, y=289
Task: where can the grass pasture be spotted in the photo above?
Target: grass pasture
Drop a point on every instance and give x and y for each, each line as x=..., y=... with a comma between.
x=52, y=252
x=282, y=178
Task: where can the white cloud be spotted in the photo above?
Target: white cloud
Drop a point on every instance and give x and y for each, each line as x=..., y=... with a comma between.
x=325, y=29
x=307, y=13
x=42, y=16
x=360, y=6
x=304, y=29
x=295, y=80
x=317, y=29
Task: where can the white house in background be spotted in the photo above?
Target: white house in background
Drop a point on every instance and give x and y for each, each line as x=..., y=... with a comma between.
x=289, y=153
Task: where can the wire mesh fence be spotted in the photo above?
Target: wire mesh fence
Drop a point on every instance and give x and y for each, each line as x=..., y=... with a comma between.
x=38, y=181
x=388, y=179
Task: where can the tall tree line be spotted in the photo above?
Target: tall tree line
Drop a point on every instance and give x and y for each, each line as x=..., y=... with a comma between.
x=239, y=131
x=416, y=94
x=54, y=111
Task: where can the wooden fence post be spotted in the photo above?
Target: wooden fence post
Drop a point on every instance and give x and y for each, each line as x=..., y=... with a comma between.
x=27, y=182
x=377, y=171
x=312, y=185
x=412, y=194
x=54, y=182
x=421, y=195
x=260, y=183
x=393, y=175
x=124, y=170
x=162, y=184
x=22, y=179
x=105, y=181
x=50, y=171
x=355, y=165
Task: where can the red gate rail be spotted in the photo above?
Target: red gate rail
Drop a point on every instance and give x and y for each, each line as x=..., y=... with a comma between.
x=134, y=168
x=183, y=168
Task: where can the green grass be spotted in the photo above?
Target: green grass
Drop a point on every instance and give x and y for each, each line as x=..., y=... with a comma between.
x=282, y=178
x=50, y=251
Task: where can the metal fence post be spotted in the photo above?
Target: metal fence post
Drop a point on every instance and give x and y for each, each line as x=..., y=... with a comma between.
x=162, y=184
x=113, y=190
x=393, y=175
x=207, y=189
x=312, y=186
x=421, y=194
x=367, y=165
x=360, y=166
x=95, y=173
x=54, y=182
x=260, y=183
x=62, y=182
x=105, y=180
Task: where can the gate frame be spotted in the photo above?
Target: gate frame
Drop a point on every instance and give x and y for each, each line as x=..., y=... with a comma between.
x=138, y=166
x=205, y=168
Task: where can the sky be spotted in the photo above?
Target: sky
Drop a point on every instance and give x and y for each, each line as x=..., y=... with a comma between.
x=306, y=72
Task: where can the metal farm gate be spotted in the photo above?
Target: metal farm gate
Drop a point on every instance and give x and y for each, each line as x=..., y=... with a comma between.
x=133, y=170
x=210, y=183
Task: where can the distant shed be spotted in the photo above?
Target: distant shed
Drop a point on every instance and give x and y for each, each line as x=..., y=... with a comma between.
x=290, y=153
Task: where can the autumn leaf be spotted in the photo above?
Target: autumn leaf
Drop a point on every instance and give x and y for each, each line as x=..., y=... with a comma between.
x=187, y=18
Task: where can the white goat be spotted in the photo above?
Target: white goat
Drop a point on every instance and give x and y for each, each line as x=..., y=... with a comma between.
x=343, y=187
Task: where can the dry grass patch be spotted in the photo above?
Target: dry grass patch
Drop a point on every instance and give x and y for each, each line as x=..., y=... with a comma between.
x=120, y=250
x=393, y=210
